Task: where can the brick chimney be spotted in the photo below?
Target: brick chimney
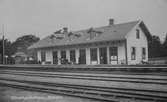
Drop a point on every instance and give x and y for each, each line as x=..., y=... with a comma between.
x=111, y=22
x=65, y=30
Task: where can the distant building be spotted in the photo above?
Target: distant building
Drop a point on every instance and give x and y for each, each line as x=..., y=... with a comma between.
x=20, y=57
x=125, y=43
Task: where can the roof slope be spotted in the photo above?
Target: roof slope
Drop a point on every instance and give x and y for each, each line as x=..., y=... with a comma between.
x=21, y=54
x=112, y=32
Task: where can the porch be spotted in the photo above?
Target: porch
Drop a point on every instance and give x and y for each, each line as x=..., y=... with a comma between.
x=91, y=54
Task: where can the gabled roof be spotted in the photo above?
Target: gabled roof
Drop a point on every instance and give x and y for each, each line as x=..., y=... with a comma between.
x=108, y=33
x=20, y=54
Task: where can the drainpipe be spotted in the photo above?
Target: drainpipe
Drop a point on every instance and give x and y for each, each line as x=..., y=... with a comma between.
x=126, y=52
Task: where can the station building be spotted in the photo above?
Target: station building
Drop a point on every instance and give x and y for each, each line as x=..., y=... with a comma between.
x=125, y=43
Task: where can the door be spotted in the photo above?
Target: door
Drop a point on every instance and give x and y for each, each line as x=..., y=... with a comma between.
x=55, y=57
x=113, y=55
x=43, y=56
x=103, y=55
x=72, y=56
x=82, y=56
x=63, y=57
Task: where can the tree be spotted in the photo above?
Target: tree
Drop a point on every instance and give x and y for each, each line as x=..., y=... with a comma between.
x=23, y=42
x=7, y=49
x=165, y=46
x=155, y=48
x=7, y=45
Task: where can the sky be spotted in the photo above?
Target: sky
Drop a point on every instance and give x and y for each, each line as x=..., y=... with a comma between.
x=43, y=17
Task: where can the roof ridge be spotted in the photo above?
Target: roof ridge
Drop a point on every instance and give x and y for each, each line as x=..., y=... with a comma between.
x=108, y=25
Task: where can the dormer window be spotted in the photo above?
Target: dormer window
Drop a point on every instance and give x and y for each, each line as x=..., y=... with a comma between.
x=137, y=33
x=93, y=33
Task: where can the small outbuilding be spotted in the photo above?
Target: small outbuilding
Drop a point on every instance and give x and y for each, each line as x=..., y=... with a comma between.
x=125, y=43
x=20, y=57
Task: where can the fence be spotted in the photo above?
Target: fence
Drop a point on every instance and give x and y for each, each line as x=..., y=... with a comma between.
x=158, y=60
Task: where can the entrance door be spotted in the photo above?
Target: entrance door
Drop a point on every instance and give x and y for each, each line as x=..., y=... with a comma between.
x=55, y=57
x=72, y=56
x=63, y=57
x=113, y=55
x=82, y=56
x=103, y=55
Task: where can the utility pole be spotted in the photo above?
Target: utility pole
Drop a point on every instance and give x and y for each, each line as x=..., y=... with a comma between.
x=3, y=45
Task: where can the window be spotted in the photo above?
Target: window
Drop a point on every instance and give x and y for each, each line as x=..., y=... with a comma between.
x=93, y=54
x=137, y=33
x=63, y=54
x=143, y=53
x=113, y=53
x=92, y=35
x=133, y=53
x=43, y=56
x=55, y=57
x=72, y=55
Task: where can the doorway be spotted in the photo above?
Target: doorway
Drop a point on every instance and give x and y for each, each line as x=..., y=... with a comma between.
x=55, y=57
x=63, y=57
x=82, y=56
x=103, y=55
x=72, y=56
x=113, y=52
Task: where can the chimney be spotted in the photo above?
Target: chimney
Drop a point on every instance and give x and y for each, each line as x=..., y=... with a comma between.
x=65, y=30
x=111, y=22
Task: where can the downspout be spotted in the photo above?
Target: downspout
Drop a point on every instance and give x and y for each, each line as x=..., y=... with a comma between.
x=126, y=54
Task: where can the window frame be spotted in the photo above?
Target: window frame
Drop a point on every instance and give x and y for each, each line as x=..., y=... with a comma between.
x=143, y=54
x=133, y=53
x=137, y=34
x=113, y=51
x=61, y=53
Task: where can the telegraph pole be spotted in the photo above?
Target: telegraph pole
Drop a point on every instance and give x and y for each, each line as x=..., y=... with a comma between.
x=3, y=45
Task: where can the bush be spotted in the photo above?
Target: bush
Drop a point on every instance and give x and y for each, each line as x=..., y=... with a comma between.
x=32, y=62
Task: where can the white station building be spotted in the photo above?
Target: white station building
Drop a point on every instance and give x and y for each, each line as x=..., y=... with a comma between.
x=125, y=43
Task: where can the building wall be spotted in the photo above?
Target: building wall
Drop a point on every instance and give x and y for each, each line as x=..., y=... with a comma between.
x=132, y=41
x=39, y=55
x=88, y=56
x=120, y=45
x=121, y=54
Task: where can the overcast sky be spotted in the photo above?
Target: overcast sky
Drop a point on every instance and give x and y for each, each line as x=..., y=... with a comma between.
x=43, y=17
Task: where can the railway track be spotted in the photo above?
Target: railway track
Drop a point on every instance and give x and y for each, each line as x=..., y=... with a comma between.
x=120, y=69
x=41, y=87
x=110, y=94
x=92, y=92
x=147, y=80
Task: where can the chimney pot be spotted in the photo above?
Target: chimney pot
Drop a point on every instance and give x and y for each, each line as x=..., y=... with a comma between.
x=111, y=22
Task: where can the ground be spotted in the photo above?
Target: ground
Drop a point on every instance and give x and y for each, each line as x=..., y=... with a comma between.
x=8, y=94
